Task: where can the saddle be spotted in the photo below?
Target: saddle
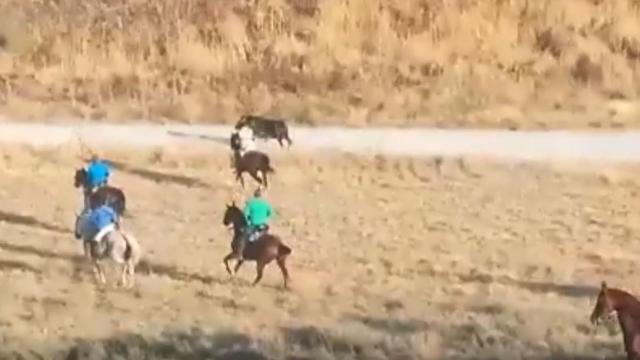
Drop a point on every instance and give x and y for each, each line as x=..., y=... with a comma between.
x=257, y=233
x=100, y=236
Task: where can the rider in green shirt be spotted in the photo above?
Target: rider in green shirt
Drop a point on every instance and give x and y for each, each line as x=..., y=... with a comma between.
x=258, y=212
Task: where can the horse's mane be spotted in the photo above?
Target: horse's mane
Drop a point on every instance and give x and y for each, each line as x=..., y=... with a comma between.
x=240, y=213
x=629, y=302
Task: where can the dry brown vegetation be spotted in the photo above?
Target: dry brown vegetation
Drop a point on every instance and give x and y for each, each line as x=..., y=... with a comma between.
x=499, y=63
x=390, y=260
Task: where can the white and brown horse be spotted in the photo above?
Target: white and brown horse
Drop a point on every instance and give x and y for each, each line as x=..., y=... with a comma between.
x=120, y=246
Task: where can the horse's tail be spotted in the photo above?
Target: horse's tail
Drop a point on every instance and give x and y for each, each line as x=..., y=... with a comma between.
x=284, y=250
x=77, y=232
x=123, y=203
x=133, y=251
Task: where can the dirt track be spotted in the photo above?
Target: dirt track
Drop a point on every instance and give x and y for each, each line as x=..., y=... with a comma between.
x=391, y=260
x=415, y=142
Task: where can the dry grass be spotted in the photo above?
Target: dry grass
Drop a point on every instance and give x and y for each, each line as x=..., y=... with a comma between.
x=502, y=63
x=390, y=260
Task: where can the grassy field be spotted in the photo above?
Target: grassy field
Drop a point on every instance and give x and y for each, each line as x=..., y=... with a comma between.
x=393, y=258
x=449, y=63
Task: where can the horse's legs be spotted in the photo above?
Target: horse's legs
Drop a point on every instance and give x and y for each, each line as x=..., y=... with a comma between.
x=283, y=268
x=240, y=178
x=226, y=261
x=238, y=264
x=131, y=267
x=254, y=174
x=87, y=249
x=101, y=278
x=260, y=268
x=95, y=268
x=123, y=275
x=126, y=277
x=96, y=271
x=264, y=177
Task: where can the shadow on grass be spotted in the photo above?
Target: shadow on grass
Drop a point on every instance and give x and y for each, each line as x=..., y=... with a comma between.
x=28, y=220
x=189, y=345
x=145, y=266
x=158, y=176
x=569, y=290
x=295, y=343
x=392, y=326
x=9, y=265
x=542, y=287
x=218, y=139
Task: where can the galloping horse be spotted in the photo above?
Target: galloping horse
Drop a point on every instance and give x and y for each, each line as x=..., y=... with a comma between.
x=266, y=128
x=251, y=162
x=120, y=246
x=110, y=195
x=627, y=307
x=263, y=250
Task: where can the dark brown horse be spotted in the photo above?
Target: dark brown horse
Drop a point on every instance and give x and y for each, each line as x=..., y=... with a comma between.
x=263, y=250
x=266, y=128
x=107, y=194
x=627, y=307
x=252, y=162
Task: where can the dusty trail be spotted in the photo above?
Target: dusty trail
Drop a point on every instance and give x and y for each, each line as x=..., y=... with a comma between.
x=522, y=145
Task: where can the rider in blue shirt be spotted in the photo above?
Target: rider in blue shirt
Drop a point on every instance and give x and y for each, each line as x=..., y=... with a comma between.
x=101, y=220
x=98, y=173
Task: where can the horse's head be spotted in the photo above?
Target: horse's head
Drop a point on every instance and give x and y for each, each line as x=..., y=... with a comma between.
x=233, y=216
x=244, y=121
x=605, y=305
x=235, y=141
x=80, y=177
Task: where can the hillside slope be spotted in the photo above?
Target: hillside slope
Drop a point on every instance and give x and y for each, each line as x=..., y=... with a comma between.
x=516, y=63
